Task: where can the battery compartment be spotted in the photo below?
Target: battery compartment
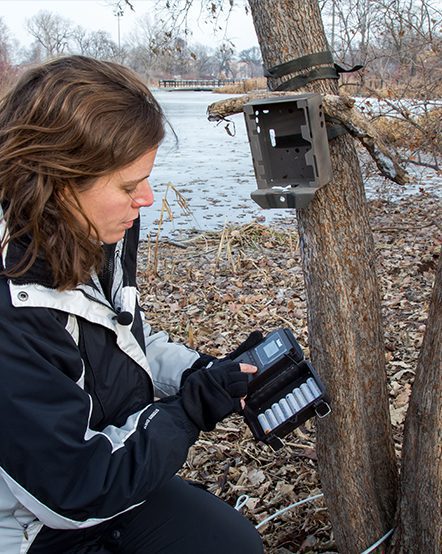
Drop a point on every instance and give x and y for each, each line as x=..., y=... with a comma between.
x=275, y=384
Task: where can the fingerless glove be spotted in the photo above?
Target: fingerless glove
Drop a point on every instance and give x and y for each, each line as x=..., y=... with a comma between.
x=203, y=361
x=209, y=395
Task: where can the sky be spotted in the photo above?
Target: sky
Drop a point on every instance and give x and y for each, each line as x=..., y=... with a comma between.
x=97, y=14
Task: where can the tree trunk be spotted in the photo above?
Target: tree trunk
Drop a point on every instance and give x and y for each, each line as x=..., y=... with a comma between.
x=419, y=525
x=355, y=446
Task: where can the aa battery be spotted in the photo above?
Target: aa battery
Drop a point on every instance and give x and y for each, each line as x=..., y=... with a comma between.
x=307, y=392
x=302, y=401
x=277, y=412
x=273, y=422
x=264, y=422
x=293, y=403
x=314, y=387
x=285, y=408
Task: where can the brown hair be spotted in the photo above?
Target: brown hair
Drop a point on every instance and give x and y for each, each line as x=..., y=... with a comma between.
x=64, y=124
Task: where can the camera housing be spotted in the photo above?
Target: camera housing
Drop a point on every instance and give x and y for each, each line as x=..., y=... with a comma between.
x=285, y=392
x=289, y=145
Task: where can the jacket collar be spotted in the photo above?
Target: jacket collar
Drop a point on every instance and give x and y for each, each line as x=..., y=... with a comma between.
x=27, y=289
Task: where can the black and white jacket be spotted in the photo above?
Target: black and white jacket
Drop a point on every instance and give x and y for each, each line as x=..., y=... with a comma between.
x=81, y=438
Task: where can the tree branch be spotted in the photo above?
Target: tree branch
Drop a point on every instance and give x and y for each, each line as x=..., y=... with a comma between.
x=338, y=109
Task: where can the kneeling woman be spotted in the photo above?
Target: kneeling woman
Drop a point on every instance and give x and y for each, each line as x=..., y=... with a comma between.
x=87, y=456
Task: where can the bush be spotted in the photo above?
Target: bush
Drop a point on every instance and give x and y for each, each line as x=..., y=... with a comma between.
x=422, y=132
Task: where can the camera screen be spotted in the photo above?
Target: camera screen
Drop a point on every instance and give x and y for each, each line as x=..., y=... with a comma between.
x=269, y=350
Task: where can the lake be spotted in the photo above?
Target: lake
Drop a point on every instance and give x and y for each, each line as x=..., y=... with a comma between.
x=213, y=171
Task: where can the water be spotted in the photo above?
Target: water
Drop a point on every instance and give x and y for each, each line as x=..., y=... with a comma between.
x=214, y=172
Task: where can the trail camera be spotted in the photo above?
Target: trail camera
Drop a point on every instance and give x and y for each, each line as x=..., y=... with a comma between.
x=289, y=145
x=285, y=391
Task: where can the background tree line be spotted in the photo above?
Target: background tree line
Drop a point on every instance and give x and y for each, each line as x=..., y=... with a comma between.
x=152, y=50
x=399, y=43
x=395, y=39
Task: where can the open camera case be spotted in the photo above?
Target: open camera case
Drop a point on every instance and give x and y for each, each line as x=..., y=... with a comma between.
x=282, y=369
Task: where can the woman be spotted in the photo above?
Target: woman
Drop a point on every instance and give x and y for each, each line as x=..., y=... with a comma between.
x=87, y=457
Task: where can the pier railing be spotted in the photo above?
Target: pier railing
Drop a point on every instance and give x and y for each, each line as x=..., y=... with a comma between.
x=193, y=84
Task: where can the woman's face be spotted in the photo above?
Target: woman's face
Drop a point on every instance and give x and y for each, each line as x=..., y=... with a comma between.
x=113, y=202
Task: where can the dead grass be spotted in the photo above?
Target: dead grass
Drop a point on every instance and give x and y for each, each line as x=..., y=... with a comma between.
x=245, y=86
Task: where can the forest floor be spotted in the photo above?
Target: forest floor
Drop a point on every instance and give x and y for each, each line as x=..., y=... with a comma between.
x=213, y=289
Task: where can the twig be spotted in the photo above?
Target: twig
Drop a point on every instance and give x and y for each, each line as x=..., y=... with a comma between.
x=198, y=254
x=287, y=322
x=435, y=166
x=165, y=208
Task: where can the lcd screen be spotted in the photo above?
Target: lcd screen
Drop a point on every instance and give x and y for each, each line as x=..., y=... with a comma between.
x=270, y=349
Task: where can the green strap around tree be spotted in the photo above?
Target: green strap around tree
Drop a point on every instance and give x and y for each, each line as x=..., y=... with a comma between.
x=304, y=62
x=313, y=75
x=307, y=62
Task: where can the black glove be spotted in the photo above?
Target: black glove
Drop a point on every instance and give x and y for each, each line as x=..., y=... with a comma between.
x=209, y=395
x=252, y=340
x=203, y=361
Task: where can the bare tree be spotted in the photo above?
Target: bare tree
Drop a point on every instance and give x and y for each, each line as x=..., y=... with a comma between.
x=203, y=61
x=405, y=28
x=406, y=54
x=7, y=72
x=349, y=25
x=178, y=57
x=419, y=527
x=154, y=50
x=51, y=31
x=386, y=35
x=224, y=60
x=80, y=40
x=5, y=44
x=355, y=447
x=96, y=44
x=252, y=58
x=145, y=46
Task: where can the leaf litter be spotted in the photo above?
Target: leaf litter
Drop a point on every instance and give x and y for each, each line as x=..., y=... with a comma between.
x=213, y=289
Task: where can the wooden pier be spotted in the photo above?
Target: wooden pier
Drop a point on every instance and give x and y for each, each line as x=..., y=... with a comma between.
x=195, y=84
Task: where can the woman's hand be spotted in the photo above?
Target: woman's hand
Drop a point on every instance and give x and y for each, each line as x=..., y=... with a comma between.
x=209, y=395
x=250, y=369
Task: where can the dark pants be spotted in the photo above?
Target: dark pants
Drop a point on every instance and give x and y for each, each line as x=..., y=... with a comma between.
x=178, y=519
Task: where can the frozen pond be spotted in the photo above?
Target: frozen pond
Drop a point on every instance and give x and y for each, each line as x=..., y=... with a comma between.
x=212, y=170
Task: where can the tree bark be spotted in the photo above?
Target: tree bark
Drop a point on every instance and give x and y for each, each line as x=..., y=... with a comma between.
x=355, y=446
x=419, y=525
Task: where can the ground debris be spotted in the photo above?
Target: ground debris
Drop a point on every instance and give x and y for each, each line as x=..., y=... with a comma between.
x=223, y=285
